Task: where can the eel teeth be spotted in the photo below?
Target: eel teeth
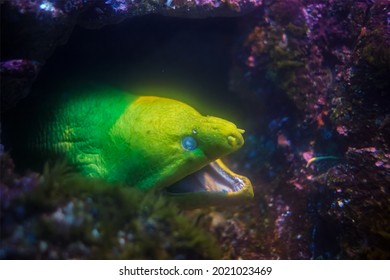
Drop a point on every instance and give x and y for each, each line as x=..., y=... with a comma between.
x=215, y=177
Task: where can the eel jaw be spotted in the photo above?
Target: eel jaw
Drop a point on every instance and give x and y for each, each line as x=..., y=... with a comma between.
x=213, y=185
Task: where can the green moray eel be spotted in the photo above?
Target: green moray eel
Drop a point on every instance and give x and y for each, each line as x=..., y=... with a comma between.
x=145, y=142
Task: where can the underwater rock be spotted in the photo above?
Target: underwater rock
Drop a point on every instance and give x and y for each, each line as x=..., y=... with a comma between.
x=17, y=77
x=61, y=215
x=317, y=63
x=357, y=204
x=43, y=25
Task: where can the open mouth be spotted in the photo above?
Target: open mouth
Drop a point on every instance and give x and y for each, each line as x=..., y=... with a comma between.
x=212, y=184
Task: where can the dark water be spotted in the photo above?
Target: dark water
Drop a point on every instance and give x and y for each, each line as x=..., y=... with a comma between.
x=191, y=55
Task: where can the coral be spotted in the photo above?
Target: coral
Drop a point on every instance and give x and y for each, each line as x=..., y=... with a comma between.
x=357, y=205
x=323, y=79
x=281, y=58
x=362, y=82
x=62, y=215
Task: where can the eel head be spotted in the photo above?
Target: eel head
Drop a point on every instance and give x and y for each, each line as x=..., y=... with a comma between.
x=179, y=152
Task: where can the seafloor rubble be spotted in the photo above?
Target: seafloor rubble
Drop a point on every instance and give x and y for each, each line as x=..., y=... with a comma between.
x=319, y=163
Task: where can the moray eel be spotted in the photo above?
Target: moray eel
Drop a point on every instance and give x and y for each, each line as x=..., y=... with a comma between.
x=145, y=142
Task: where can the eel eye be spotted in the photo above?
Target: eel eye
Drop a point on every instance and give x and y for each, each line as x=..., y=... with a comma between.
x=189, y=143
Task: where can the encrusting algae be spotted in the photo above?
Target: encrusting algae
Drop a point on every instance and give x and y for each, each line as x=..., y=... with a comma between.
x=64, y=215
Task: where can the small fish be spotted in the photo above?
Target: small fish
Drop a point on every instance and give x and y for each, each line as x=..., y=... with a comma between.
x=314, y=159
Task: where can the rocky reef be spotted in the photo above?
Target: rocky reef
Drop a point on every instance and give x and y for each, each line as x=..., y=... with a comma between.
x=62, y=215
x=313, y=79
x=33, y=29
x=322, y=158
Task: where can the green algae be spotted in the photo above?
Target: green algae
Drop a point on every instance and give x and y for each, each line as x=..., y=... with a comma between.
x=70, y=216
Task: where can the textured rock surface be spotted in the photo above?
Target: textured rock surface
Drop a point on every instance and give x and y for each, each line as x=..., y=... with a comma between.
x=314, y=77
x=33, y=29
x=60, y=215
x=321, y=158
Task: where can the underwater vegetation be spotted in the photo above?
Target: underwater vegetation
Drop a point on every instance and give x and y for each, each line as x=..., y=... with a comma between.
x=313, y=80
x=63, y=215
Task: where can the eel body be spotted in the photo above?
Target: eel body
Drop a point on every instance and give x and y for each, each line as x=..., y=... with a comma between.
x=145, y=142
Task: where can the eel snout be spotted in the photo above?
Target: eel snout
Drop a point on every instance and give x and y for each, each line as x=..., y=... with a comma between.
x=224, y=136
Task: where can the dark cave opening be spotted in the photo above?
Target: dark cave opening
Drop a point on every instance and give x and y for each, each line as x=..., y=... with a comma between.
x=191, y=55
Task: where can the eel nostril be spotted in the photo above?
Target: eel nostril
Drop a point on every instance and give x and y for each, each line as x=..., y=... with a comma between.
x=232, y=140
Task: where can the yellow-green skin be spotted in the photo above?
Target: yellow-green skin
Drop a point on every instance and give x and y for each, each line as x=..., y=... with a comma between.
x=135, y=140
